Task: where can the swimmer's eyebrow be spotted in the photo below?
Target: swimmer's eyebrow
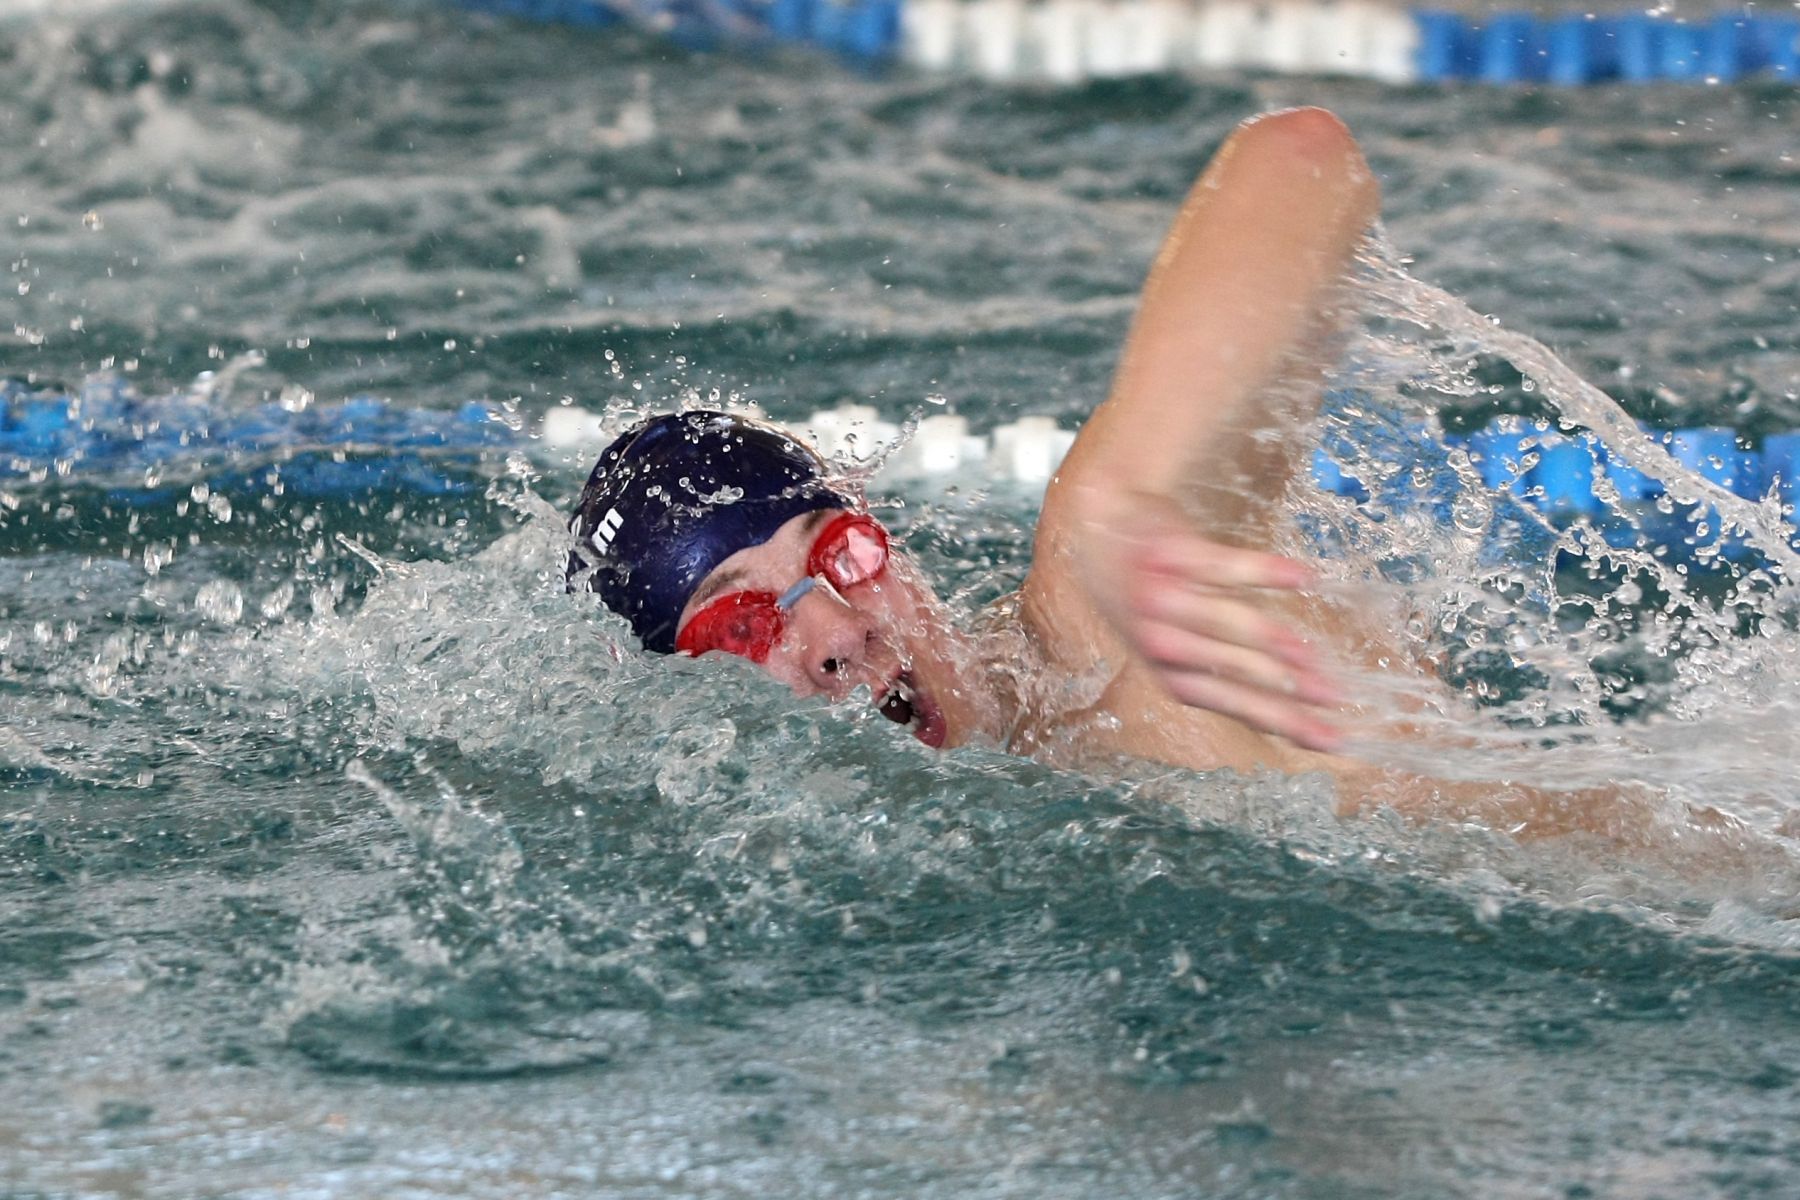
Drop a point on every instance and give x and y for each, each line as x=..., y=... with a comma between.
x=714, y=586
x=719, y=583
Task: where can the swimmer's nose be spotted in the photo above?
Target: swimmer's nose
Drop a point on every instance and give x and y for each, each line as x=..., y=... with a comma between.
x=831, y=637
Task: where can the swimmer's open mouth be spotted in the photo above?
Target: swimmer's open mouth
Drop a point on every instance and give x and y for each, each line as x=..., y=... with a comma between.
x=906, y=703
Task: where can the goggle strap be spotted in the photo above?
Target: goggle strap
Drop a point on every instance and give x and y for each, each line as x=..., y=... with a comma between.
x=794, y=594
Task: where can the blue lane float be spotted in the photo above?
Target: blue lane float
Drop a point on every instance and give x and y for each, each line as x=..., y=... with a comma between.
x=1517, y=47
x=135, y=448
x=1567, y=478
x=109, y=436
x=1068, y=41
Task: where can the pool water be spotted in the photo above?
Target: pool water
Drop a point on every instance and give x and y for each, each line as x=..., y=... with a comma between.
x=342, y=855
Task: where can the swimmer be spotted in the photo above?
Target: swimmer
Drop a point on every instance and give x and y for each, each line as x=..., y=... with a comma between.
x=1155, y=624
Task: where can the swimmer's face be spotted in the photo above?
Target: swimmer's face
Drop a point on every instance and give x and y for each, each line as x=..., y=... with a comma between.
x=883, y=634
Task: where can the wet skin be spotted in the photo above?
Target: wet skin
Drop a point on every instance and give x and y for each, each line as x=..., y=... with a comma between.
x=886, y=634
x=891, y=636
x=1152, y=624
x=1196, y=656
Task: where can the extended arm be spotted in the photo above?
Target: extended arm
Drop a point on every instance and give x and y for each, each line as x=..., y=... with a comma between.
x=1235, y=305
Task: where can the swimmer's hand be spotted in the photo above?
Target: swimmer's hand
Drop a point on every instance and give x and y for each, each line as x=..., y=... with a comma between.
x=1198, y=613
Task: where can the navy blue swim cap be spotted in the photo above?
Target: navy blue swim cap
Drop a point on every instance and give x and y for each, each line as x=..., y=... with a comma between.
x=676, y=496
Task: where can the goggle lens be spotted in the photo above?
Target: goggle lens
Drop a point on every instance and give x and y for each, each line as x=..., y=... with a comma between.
x=851, y=549
x=747, y=624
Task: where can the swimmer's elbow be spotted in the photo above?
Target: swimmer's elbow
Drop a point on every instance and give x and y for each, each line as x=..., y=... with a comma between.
x=1317, y=144
x=1304, y=130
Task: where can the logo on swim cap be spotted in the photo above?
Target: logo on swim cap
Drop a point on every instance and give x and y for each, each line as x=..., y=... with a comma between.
x=674, y=497
x=606, y=530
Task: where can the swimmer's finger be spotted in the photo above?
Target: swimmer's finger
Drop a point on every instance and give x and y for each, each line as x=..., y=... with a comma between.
x=1254, y=707
x=1212, y=564
x=1216, y=615
x=1173, y=650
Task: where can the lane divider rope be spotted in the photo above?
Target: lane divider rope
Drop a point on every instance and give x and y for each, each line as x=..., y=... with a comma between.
x=143, y=450
x=1069, y=41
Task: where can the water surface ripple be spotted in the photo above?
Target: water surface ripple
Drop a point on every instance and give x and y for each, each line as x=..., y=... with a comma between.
x=341, y=854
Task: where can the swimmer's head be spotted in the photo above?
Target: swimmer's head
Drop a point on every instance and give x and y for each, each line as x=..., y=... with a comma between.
x=673, y=498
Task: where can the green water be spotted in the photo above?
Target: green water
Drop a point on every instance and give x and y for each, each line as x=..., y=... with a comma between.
x=319, y=880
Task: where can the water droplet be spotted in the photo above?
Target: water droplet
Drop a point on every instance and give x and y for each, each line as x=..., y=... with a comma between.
x=220, y=600
x=1470, y=513
x=276, y=602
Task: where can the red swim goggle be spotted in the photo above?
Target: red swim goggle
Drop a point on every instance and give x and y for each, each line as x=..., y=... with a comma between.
x=851, y=549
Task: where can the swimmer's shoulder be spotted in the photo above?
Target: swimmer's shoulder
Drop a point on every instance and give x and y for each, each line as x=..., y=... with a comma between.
x=1081, y=696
